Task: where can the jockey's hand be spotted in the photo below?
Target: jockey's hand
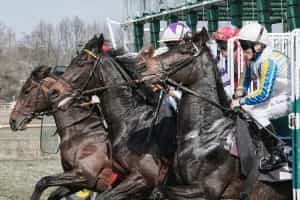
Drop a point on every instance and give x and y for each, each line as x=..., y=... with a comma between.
x=174, y=93
x=235, y=104
x=95, y=99
x=238, y=94
x=156, y=87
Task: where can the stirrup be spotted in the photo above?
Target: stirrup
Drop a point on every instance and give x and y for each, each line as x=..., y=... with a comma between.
x=271, y=166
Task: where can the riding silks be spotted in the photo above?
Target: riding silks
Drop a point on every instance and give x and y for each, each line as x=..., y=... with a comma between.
x=245, y=146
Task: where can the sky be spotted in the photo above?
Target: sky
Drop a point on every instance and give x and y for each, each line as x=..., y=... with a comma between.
x=23, y=15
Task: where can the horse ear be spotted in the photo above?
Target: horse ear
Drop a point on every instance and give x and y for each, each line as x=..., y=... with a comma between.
x=100, y=41
x=40, y=72
x=204, y=36
x=201, y=37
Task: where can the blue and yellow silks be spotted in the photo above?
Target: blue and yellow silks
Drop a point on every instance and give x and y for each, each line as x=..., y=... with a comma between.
x=267, y=76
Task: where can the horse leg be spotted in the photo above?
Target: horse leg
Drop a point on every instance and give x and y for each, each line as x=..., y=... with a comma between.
x=64, y=179
x=61, y=192
x=147, y=174
x=134, y=183
x=186, y=192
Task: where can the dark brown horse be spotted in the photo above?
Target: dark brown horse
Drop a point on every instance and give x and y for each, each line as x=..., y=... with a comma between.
x=123, y=115
x=85, y=148
x=128, y=116
x=204, y=169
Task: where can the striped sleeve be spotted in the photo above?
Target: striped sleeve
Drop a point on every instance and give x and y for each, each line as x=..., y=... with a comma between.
x=268, y=73
x=247, y=79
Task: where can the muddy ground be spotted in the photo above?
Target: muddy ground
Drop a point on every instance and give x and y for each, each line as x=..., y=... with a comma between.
x=21, y=162
x=17, y=178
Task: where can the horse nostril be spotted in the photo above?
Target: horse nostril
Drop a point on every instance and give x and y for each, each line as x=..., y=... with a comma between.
x=12, y=123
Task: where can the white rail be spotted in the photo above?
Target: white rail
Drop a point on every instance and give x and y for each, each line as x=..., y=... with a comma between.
x=283, y=42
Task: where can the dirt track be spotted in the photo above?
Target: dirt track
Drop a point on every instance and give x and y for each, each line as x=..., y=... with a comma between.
x=21, y=163
x=17, y=178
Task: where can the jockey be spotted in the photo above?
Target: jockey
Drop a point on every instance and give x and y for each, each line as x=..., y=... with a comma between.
x=270, y=100
x=174, y=34
x=221, y=36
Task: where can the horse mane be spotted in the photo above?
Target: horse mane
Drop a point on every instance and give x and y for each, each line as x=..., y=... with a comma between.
x=40, y=72
x=95, y=43
x=129, y=70
x=219, y=83
x=200, y=39
x=127, y=62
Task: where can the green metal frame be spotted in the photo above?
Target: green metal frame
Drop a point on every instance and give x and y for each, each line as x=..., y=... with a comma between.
x=266, y=12
x=293, y=14
x=154, y=32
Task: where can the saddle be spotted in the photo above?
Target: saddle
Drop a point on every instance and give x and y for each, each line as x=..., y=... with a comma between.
x=249, y=148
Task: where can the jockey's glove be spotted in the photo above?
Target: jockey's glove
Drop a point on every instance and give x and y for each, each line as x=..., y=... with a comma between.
x=239, y=93
x=236, y=103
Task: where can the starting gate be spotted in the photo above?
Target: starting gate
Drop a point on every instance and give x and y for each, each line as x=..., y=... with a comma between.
x=294, y=119
x=289, y=44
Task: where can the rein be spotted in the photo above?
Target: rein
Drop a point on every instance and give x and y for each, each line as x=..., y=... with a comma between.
x=191, y=92
x=32, y=115
x=99, y=89
x=167, y=72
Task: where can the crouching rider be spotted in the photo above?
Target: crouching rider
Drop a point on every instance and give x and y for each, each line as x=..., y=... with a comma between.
x=270, y=100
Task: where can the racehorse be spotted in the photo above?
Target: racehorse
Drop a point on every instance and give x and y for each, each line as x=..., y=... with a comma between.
x=128, y=116
x=204, y=169
x=85, y=148
x=123, y=115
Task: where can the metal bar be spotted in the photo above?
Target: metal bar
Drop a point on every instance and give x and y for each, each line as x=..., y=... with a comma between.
x=212, y=16
x=173, y=11
x=236, y=12
x=263, y=13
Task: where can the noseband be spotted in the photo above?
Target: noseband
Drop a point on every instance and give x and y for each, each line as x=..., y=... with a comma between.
x=35, y=114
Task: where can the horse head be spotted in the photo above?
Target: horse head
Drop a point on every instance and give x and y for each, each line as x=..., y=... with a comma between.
x=34, y=97
x=184, y=62
x=145, y=59
x=200, y=38
x=83, y=66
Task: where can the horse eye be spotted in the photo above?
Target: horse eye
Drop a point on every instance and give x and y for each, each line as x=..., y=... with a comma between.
x=26, y=91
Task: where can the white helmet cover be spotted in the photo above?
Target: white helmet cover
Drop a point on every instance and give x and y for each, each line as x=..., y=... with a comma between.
x=174, y=32
x=254, y=32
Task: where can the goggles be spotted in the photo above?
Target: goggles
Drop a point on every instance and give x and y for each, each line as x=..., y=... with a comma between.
x=246, y=44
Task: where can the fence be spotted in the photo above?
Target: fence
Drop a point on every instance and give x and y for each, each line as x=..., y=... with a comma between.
x=6, y=107
x=22, y=145
x=289, y=44
x=280, y=41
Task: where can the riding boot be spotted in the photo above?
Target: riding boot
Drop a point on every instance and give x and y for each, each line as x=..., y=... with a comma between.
x=277, y=157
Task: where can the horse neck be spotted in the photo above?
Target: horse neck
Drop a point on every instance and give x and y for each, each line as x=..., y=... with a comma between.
x=197, y=113
x=118, y=102
x=78, y=76
x=76, y=121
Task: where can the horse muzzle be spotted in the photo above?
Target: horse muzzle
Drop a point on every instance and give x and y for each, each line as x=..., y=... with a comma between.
x=19, y=123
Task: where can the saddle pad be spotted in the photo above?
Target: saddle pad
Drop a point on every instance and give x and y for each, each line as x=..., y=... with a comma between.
x=279, y=175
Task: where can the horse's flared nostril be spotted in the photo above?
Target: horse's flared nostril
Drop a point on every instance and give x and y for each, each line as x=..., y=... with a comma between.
x=12, y=123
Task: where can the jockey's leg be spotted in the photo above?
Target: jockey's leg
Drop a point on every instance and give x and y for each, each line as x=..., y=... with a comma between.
x=277, y=157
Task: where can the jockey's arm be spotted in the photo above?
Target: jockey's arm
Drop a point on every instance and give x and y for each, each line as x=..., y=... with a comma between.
x=244, y=83
x=267, y=76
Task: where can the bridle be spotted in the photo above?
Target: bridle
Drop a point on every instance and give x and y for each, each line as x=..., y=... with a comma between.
x=167, y=71
x=36, y=114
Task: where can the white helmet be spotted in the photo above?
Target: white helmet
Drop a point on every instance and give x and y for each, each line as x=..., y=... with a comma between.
x=254, y=32
x=175, y=32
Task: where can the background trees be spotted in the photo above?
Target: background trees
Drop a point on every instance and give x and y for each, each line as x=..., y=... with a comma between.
x=47, y=44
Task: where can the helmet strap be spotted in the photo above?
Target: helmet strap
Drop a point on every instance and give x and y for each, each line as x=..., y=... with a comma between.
x=260, y=34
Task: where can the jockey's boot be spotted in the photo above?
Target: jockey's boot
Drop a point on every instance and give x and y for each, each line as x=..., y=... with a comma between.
x=275, y=160
x=277, y=157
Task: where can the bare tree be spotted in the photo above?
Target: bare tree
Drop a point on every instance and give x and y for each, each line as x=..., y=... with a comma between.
x=47, y=44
